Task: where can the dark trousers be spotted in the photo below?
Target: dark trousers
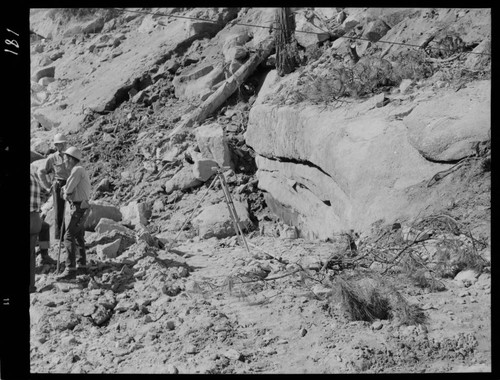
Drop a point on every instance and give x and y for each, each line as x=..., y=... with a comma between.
x=35, y=227
x=74, y=238
x=44, y=236
x=58, y=207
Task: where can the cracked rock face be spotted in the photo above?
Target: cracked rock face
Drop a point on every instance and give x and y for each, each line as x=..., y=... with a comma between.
x=359, y=162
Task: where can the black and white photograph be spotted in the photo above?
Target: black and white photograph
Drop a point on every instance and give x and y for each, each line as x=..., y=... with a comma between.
x=256, y=190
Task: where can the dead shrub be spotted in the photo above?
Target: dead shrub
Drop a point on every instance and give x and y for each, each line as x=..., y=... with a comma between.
x=355, y=304
x=313, y=53
x=469, y=259
x=327, y=88
x=412, y=64
x=370, y=73
x=365, y=77
x=406, y=313
x=376, y=299
x=464, y=258
x=446, y=46
x=424, y=280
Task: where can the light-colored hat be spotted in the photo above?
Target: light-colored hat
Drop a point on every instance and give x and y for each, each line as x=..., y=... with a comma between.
x=74, y=152
x=59, y=138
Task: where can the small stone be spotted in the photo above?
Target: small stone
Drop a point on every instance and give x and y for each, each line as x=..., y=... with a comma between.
x=182, y=271
x=269, y=350
x=171, y=369
x=463, y=294
x=377, y=325
x=303, y=332
x=232, y=354
x=466, y=278
x=427, y=306
x=191, y=349
x=405, y=85
x=68, y=340
x=321, y=290
x=170, y=325
x=85, y=309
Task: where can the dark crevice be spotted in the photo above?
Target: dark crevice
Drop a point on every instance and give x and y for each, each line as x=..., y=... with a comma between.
x=122, y=94
x=295, y=161
x=444, y=162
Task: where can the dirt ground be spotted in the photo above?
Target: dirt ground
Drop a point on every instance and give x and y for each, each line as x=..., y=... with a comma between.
x=188, y=311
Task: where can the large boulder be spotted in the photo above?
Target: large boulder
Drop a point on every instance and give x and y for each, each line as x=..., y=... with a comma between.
x=43, y=61
x=96, y=239
x=46, y=117
x=91, y=26
x=213, y=144
x=41, y=142
x=481, y=57
x=100, y=209
x=106, y=225
x=390, y=16
x=109, y=250
x=215, y=220
x=313, y=23
x=48, y=71
x=237, y=39
x=345, y=168
x=202, y=169
x=447, y=127
x=197, y=82
x=375, y=30
x=184, y=179
x=204, y=29
x=137, y=213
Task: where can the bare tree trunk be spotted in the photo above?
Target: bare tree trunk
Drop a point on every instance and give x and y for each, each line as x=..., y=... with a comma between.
x=215, y=100
x=286, y=50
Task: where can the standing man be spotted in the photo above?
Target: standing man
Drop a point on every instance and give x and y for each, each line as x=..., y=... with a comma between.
x=44, y=235
x=56, y=168
x=35, y=225
x=77, y=193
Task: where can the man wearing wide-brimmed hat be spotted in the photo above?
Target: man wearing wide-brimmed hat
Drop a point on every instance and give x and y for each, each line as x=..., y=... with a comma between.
x=53, y=176
x=77, y=193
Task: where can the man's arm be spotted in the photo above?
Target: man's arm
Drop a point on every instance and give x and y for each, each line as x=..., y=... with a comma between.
x=72, y=182
x=44, y=172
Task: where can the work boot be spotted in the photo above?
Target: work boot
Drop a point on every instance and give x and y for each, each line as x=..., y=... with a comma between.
x=68, y=274
x=46, y=259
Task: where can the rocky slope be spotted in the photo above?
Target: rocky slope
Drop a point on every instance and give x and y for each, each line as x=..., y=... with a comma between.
x=377, y=182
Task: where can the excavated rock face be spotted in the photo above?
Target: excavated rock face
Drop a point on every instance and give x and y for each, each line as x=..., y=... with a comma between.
x=349, y=167
x=327, y=169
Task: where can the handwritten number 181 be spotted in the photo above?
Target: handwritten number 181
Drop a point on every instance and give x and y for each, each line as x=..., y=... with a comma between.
x=12, y=42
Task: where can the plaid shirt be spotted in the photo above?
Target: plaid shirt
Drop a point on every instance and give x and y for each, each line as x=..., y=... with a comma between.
x=35, y=199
